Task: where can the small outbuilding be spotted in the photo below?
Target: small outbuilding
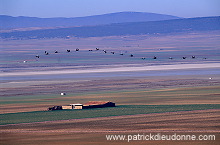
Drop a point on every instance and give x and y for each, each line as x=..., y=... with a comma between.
x=67, y=107
x=77, y=106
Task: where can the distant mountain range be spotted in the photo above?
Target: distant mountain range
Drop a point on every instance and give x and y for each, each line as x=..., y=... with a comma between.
x=9, y=22
x=121, y=29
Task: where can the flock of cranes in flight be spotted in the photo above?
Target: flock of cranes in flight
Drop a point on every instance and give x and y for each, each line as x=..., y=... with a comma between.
x=112, y=52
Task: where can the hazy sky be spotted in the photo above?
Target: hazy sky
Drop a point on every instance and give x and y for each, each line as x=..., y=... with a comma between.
x=78, y=8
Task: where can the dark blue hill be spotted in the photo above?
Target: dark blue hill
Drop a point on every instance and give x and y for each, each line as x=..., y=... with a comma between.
x=8, y=22
x=134, y=28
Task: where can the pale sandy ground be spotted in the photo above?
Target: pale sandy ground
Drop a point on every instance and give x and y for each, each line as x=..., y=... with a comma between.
x=115, y=69
x=93, y=130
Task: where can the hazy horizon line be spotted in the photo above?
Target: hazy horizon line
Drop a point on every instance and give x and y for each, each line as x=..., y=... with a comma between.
x=95, y=15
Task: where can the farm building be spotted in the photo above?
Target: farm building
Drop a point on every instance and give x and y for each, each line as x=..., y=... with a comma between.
x=77, y=106
x=67, y=107
x=88, y=105
x=98, y=104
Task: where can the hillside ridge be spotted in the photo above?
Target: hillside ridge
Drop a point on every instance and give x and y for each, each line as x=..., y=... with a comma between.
x=9, y=22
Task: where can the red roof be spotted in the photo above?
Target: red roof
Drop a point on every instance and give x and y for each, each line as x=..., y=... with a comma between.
x=96, y=103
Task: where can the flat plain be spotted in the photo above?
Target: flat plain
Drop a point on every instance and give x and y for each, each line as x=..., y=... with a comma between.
x=168, y=94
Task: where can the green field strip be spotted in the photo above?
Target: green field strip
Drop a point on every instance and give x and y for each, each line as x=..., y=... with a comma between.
x=40, y=116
